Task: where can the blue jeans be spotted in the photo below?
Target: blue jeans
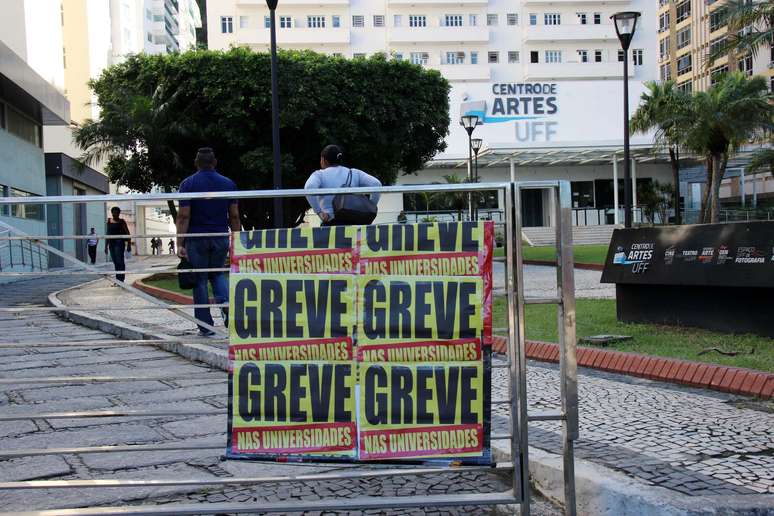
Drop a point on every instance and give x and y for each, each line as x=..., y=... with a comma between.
x=208, y=253
x=117, y=248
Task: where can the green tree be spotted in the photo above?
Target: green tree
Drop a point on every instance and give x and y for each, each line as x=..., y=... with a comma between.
x=667, y=110
x=390, y=116
x=731, y=113
x=750, y=26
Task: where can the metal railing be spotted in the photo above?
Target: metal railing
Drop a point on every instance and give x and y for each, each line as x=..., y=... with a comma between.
x=516, y=363
x=693, y=216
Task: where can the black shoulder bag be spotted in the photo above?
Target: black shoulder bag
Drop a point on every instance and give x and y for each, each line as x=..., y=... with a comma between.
x=353, y=209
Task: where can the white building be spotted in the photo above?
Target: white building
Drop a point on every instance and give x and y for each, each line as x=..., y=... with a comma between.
x=544, y=76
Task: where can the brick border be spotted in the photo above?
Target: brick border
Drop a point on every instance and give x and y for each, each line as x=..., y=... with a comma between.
x=162, y=293
x=734, y=380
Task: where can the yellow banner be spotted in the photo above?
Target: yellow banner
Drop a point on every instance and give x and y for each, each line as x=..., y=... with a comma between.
x=290, y=307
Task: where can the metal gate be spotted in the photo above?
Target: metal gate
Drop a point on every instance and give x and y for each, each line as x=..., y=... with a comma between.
x=515, y=362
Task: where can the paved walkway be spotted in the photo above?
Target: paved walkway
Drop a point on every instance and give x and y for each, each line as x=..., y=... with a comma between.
x=176, y=393
x=690, y=441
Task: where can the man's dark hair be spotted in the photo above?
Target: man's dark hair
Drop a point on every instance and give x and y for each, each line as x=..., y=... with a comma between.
x=205, y=158
x=332, y=154
x=115, y=209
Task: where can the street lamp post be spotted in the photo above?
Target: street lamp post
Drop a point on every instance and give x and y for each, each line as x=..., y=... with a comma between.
x=625, y=25
x=475, y=144
x=469, y=122
x=275, y=135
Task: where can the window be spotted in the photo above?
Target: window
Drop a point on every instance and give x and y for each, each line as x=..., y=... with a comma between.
x=315, y=22
x=398, y=56
x=455, y=57
x=717, y=73
x=21, y=126
x=686, y=86
x=417, y=20
x=553, y=56
x=149, y=36
x=581, y=18
x=358, y=55
x=513, y=56
x=474, y=58
x=244, y=22
x=533, y=56
x=378, y=20
x=493, y=57
x=637, y=56
x=666, y=72
x=582, y=194
x=336, y=54
x=491, y=20
x=662, y=3
x=663, y=22
x=552, y=19
x=583, y=56
x=227, y=24
x=745, y=65
x=397, y=20
x=717, y=44
x=336, y=21
x=512, y=18
x=597, y=18
x=532, y=18
x=419, y=58
x=597, y=56
x=472, y=20
x=683, y=11
x=267, y=22
x=717, y=20
x=684, y=64
x=663, y=48
x=683, y=37
x=620, y=55
x=452, y=20
x=26, y=211
x=285, y=22
x=64, y=53
x=148, y=14
x=358, y=21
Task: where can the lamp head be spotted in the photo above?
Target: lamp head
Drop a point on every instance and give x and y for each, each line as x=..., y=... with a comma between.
x=469, y=122
x=625, y=24
x=476, y=144
x=271, y=4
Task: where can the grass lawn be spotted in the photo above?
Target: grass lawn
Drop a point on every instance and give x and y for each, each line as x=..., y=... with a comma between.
x=591, y=253
x=597, y=316
x=170, y=283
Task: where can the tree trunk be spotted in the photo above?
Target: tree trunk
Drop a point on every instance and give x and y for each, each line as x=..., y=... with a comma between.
x=675, y=161
x=721, y=160
x=171, y=205
x=706, y=195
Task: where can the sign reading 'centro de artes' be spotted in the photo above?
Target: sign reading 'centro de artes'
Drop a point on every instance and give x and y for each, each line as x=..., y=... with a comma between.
x=361, y=343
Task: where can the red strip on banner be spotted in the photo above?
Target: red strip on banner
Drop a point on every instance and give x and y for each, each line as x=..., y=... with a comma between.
x=292, y=253
x=289, y=439
x=254, y=349
x=365, y=348
x=388, y=444
x=485, y=262
x=427, y=257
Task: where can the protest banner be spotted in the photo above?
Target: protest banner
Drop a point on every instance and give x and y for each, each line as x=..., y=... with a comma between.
x=295, y=250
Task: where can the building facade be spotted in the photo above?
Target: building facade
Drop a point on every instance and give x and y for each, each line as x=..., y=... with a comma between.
x=544, y=77
x=689, y=31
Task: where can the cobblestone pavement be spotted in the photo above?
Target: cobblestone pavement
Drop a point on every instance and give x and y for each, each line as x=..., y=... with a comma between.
x=177, y=393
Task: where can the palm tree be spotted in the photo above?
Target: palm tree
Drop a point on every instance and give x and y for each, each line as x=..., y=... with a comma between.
x=731, y=113
x=667, y=110
x=750, y=26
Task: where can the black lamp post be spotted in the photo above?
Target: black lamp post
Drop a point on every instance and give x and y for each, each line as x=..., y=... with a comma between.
x=469, y=122
x=475, y=144
x=275, y=135
x=625, y=25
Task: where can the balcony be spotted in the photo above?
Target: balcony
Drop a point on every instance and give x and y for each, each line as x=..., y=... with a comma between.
x=464, y=72
x=546, y=71
x=439, y=35
x=570, y=3
x=295, y=36
x=285, y=3
x=438, y=2
x=573, y=32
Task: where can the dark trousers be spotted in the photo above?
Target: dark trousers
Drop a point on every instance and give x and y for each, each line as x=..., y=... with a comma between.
x=208, y=253
x=117, y=250
x=92, y=253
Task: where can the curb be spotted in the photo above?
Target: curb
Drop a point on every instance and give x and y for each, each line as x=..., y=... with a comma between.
x=606, y=492
x=198, y=352
x=734, y=380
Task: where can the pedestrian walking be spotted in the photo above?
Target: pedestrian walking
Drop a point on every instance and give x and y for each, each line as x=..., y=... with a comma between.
x=91, y=245
x=117, y=246
x=207, y=216
x=154, y=246
x=333, y=175
x=171, y=246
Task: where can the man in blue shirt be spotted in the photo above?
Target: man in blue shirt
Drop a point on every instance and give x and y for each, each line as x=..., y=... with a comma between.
x=207, y=216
